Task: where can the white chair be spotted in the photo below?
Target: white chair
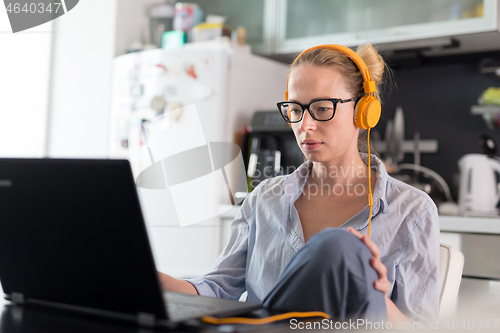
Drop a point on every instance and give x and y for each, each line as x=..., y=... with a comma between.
x=451, y=264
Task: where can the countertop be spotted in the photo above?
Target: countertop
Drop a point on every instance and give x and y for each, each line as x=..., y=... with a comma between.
x=477, y=225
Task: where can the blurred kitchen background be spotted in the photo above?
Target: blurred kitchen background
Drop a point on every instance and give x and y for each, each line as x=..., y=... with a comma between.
x=75, y=86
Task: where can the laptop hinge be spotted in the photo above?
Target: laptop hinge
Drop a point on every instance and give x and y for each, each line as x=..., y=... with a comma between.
x=17, y=298
x=146, y=319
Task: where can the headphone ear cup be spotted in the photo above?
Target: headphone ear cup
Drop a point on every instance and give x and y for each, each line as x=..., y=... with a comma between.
x=367, y=112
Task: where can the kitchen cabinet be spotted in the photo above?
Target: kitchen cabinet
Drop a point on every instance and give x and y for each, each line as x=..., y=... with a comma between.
x=479, y=240
x=256, y=16
x=281, y=28
x=304, y=23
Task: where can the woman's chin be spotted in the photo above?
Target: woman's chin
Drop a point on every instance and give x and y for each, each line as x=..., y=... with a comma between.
x=313, y=156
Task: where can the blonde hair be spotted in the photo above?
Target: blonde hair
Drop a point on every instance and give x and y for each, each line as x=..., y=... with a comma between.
x=379, y=71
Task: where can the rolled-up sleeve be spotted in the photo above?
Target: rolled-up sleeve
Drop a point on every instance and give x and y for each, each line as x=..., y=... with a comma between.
x=226, y=278
x=417, y=274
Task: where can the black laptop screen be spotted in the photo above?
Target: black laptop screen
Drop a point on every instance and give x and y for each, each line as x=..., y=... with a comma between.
x=72, y=232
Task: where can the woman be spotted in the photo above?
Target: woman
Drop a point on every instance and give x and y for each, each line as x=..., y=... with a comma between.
x=299, y=242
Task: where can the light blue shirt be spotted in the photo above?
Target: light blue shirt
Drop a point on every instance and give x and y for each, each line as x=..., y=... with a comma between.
x=267, y=233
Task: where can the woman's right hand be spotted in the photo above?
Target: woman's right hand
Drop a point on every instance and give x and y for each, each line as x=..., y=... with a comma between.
x=169, y=283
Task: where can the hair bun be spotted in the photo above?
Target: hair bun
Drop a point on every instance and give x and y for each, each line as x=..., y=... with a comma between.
x=373, y=60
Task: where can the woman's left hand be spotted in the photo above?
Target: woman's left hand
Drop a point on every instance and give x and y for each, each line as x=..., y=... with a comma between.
x=382, y=284
x=394, y=315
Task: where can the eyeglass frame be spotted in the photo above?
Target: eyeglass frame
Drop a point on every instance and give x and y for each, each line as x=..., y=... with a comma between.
x=306, y=107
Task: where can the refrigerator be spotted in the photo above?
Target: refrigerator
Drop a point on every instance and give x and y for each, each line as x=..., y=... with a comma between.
x=202, y=94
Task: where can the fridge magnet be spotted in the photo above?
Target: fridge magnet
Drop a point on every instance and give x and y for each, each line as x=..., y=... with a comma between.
x=207, y=62
x=190, y=71
x=158, y=69
x=174, y=110
x=162, y=67
x=158, y=103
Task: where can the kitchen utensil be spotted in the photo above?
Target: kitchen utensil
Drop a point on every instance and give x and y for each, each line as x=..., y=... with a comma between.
x=269, y=148
x=399, y=134
x=389, y=141
x=432, y=174
x=186, y=16
x=479, y=192
x=488, y=145
x=394, y=137
x=448, y=208
x=254, y=157
x=160, y=20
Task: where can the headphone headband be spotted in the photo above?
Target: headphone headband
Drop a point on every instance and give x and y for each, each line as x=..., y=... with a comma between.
x=368, y=109
x=345, y=50
x=368, y=85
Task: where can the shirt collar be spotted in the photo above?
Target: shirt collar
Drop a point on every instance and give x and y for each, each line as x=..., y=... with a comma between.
x=294, y=185
x=292, y=188
x=380, y=190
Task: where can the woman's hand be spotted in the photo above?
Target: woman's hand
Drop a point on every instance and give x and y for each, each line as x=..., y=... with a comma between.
x=382, y=284
x=172, y=284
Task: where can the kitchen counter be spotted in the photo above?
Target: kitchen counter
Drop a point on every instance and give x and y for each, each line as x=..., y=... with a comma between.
x=476, y=225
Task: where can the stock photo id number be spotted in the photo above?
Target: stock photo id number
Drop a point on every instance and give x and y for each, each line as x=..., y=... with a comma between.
x=24, y=15
x=471, y=324
x=33, y=8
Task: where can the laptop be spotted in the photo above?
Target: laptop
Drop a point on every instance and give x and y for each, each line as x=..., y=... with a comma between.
x=72, y=236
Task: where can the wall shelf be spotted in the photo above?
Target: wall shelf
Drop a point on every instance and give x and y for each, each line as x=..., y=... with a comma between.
x=490, y=113
x=482, y=109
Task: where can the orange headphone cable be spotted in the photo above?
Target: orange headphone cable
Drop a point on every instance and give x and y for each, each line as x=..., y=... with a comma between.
x=260, y=321
x=370, y=195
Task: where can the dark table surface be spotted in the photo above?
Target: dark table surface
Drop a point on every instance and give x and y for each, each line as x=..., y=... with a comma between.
x=28, y=319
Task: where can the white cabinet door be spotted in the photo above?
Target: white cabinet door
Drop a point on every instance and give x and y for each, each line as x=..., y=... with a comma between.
x=305, y=23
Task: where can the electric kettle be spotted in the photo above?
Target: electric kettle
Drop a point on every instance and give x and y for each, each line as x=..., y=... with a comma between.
x=479, y=192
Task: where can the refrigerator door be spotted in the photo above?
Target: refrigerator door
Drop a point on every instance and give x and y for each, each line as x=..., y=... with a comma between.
x=156, y=95
x=179, y=96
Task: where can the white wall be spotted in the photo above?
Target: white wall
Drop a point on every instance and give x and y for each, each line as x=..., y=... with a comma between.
x=55, y=79
x=84, y=47
x=24, y=86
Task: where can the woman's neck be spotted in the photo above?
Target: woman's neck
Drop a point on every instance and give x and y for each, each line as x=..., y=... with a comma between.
x=343, y=170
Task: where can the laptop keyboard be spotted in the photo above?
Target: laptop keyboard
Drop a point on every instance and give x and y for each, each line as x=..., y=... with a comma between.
x=178, y=310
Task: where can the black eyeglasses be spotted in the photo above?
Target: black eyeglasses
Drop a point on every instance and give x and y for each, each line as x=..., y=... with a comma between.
x=320, y=110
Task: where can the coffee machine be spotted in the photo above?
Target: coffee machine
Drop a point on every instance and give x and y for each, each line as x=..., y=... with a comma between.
x=269, y=148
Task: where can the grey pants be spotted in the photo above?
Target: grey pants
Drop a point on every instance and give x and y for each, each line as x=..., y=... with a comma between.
x=331, y=273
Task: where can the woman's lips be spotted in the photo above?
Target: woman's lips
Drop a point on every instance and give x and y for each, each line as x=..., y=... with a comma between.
x=311, y=144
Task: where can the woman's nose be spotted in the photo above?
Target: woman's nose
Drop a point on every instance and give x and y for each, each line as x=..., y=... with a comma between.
x=307, y=123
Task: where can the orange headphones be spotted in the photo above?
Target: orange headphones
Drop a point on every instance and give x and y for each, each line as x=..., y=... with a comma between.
x=367, y=110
